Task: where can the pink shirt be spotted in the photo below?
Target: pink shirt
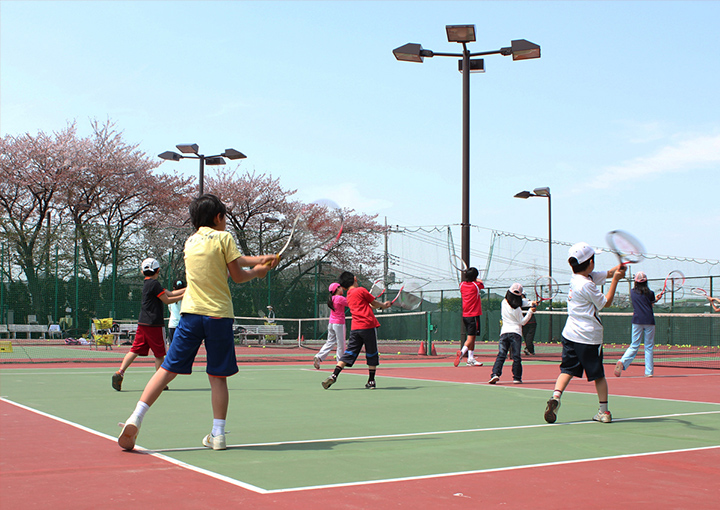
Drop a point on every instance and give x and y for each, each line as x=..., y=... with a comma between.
x=337, y=316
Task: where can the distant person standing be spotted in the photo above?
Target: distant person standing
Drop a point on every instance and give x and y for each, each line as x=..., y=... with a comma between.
x=174, y=311
x=470, y=288
x=643, y=326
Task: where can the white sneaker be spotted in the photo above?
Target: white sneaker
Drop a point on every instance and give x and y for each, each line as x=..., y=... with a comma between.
x=493, y=379
x=474, y=363
x=603, y=417
x=130, y=430
x=215, y=442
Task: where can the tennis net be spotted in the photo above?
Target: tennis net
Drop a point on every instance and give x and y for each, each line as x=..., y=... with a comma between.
x=690, y=340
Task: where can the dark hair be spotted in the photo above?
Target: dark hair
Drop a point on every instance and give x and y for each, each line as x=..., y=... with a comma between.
x=642, y=288
x=179, y=284
x=151, y=272
x=346, y=279
x=513, y=299
x=204, y=209
x=330, y=300
x=579, y=268
x=470, y=274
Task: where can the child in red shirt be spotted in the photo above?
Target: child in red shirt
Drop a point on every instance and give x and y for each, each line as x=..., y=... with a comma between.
x=363, y=330
x=472, y=310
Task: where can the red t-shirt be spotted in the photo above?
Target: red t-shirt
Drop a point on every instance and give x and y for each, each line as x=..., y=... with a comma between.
x=471, y=302
x=363, y=317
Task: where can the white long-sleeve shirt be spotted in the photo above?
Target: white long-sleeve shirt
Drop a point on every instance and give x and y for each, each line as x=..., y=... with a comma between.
x=513, y=319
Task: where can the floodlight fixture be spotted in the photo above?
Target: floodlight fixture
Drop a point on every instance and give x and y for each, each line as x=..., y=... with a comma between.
x=233, y=154
x=215, y=160
x=170, y=156
x=460, y=33
x=524, y=50
x=411, y=52
x=188, y=148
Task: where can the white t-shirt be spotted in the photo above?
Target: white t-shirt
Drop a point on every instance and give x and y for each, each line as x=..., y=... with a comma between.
x=584, y=302
x=512, y=318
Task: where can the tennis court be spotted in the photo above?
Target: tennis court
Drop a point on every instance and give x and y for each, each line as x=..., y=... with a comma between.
x=429, y=435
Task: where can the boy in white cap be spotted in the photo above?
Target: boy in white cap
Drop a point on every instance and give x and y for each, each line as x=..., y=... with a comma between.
x=150, y=333
x=582, y=336
x=511, y=333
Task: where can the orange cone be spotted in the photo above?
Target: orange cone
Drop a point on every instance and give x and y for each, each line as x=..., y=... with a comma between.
x=422, y=351
x=433, y=352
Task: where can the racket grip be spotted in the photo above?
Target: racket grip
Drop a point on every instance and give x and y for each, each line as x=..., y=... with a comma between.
x=270, y=263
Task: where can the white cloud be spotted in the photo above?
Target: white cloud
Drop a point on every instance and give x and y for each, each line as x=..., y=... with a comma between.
x=687, y=155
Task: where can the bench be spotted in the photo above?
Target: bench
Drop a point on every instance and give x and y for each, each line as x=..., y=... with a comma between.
x=28, y=329
x=4, y=333
x=262, y=332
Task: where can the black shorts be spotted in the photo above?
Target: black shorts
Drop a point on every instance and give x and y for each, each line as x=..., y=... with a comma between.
x=472, y=325
x=359, y=338
x=578, y=358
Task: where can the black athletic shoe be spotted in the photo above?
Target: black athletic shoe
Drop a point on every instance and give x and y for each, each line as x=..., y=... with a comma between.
x=117, y=380
x=551, y=410
x=328, y=382
x=370, y=385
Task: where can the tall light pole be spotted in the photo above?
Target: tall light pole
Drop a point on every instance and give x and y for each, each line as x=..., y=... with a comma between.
x=193, y=148
x=519, y=49
x=544, y=193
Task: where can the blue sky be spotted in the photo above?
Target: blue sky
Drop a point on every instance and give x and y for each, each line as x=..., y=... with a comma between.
x=620, y=116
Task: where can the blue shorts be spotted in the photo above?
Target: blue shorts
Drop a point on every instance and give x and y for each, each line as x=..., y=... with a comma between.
x=219, y=344
x=578, y=358
x=358, y=338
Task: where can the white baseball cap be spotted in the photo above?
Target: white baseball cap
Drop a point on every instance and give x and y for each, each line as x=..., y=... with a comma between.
x=581, y=251
x=516, y=289
x=150, y=265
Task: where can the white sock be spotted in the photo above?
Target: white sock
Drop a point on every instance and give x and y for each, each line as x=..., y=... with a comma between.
x=471, y=356
x=140, y=409
x=218, y=428
x=463, y=351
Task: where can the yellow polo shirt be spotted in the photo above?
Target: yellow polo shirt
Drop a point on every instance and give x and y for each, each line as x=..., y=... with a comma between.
x=207, y=254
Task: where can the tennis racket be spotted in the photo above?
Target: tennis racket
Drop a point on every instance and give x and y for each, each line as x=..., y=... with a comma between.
x=409, y=297
x=317, y=227
x=626, y=246
x=674, y=281
x=700, y=292
x=546, y=288
x=378, y=288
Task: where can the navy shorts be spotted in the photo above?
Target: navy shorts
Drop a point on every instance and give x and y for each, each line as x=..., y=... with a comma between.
x=578, y=358
x=472, y=325
x=217, y=333
x=358, y=338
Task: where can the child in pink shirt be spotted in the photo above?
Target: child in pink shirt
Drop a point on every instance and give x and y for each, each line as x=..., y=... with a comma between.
x=336, y=326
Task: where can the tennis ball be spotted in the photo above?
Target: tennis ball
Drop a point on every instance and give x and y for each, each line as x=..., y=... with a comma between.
x=398, y=352
x=263, y=346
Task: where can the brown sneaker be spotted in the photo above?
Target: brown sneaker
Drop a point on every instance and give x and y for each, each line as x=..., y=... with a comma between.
x=117, y=380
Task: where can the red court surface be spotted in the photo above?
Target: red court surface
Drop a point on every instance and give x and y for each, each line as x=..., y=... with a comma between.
x=45, y=463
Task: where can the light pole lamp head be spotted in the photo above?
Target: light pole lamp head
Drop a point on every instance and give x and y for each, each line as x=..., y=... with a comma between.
x=188, y=148
x=215, y=160
x=170, y=156
x=542, y=192
x=460, y=33
x=411, y=52
x=523, y=194
x=233, y=154
x=524, y=50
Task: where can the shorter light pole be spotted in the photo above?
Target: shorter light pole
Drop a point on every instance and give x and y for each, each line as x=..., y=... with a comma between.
x=193, y=148
x=544, y=193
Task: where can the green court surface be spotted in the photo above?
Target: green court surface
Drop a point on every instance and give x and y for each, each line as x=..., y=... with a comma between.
x=285, y=432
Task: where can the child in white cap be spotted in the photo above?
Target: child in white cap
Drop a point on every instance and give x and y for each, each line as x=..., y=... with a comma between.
x=582, y=336
x=511, y=333
x=643, y=325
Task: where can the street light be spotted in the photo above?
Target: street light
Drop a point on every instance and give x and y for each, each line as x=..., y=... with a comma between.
x=193, y=148
x=519, y=50
x=543, y=193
